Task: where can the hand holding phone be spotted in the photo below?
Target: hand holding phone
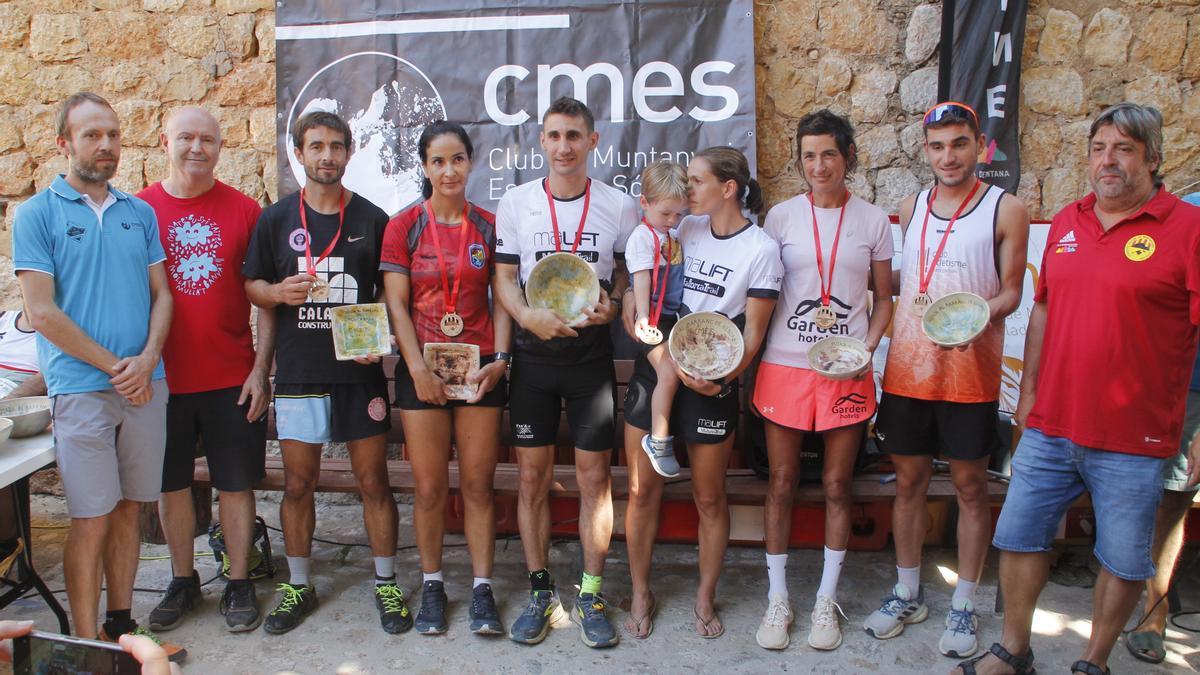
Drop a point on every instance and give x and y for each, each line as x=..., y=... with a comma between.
x=41, y=652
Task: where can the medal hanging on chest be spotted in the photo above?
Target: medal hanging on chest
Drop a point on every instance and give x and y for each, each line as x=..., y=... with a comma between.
x=825, y=317
x=923, y=300
x=651, y=335
x=319, y=290
x=451, y=323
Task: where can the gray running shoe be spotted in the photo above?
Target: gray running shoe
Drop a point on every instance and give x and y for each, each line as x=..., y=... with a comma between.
x=543, y=610
x=594, y=627
x=962, y=626
x=662, y=455
x=897, y=610
x=182, y=595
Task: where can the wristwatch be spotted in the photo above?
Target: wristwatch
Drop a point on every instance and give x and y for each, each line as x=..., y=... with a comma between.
x=504, y=356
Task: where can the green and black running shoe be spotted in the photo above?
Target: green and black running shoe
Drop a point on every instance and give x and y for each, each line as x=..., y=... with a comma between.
x=296, y=603
x=393, y=612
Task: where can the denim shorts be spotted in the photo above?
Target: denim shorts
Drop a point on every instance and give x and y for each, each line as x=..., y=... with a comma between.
x=1049, y=474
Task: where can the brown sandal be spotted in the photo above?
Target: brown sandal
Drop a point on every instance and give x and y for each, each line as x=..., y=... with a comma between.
x=708, y=624
x=647, y=621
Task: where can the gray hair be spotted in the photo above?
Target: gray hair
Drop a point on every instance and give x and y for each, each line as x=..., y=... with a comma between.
x=1139, y=122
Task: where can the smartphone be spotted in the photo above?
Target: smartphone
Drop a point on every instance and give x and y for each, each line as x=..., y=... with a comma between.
x=51, y=654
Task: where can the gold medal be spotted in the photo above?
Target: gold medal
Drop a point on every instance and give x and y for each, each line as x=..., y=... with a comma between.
x=651, y=335
x=319, y=291
x=452, y=324
x=921, y=303
x=825, y=318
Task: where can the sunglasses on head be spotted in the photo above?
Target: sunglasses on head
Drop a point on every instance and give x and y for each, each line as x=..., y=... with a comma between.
x=950, y=110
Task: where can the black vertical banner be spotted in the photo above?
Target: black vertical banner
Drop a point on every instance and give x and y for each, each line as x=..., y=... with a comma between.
x=985, y=73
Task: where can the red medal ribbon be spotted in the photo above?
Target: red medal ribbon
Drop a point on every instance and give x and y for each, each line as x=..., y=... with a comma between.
x=826, y=289
x=923, y=278
x=587, y=199
x=656, y=312
x=450, y=297
x=309, y=264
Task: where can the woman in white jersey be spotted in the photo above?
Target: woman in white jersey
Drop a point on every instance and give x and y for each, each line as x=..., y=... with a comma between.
x=730, y=266
x=832, y=244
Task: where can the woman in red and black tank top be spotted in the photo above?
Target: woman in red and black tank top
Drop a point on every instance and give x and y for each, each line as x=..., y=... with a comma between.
x=437, y=271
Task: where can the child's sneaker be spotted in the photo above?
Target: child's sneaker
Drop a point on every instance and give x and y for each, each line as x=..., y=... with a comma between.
x=661, y=452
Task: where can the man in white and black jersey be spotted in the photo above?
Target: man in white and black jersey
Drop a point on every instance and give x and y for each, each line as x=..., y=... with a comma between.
x=552, y=362
x=961, y=235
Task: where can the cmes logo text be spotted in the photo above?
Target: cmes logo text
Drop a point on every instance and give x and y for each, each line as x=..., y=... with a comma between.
x=668, y=84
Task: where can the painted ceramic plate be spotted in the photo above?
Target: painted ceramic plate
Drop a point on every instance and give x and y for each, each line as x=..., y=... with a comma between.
x=452, y=362
x=564, y=284
x=838, y=357
x=360, y=330
x=955, y=319
x=706, y=345
x=30, y=415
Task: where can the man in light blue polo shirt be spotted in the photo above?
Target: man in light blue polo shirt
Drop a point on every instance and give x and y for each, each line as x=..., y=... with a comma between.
x=89, y=262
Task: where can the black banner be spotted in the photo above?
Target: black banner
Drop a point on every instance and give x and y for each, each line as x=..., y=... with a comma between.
x=985, y=73
x=664, y=78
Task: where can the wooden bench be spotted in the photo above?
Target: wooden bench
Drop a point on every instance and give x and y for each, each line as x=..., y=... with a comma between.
x=745, y=489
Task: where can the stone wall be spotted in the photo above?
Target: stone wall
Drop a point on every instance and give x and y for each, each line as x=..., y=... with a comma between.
x=872, y=59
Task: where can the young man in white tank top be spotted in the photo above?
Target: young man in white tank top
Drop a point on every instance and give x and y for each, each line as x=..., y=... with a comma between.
x=961, y=235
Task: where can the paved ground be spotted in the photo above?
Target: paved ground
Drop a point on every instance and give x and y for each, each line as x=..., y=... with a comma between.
x=343, y=636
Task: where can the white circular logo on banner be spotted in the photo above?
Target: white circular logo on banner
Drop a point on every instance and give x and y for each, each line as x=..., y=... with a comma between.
x=387, y=101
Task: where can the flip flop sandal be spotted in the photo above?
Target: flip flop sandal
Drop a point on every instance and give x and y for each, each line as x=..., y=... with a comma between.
x=1089, y=668
x=708, y=624
x=647, y=621
x=1021, y=665
x=1146, y=646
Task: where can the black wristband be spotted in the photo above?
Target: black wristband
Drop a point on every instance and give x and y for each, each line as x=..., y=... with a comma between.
x=504, y=356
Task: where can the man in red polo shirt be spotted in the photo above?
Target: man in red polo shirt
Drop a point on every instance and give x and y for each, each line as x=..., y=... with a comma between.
x=1102, y=396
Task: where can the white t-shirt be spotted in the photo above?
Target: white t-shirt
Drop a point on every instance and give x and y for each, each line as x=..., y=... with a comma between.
x=18, y=353
x=719, y=273
x=866, y=237
x=640, y=256
x=524, y=233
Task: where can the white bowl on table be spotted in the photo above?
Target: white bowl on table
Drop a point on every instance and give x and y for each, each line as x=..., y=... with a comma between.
x=30, y=415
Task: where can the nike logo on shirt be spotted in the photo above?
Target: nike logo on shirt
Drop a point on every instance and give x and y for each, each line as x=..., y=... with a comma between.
x=351, y=240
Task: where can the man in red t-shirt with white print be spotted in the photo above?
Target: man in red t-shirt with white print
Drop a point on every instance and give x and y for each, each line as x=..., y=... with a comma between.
x=218, y=380
x=1113, y=330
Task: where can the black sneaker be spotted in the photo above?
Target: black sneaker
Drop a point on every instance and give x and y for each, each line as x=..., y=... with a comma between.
x=542, y=611
x=594, y=627
x=182, y=595
x=485, y=620
x=239, y=604
x=431, y=619
x=296, y=603
x=393, y=613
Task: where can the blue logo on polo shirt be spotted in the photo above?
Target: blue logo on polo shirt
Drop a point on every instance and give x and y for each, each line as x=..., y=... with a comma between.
x=76, y=232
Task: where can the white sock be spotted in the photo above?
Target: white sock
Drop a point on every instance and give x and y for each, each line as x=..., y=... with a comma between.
x=910, y=577
x=481, y=580
x=431, y=576
x=964, y=592
x=385, y=569
x=777, y=575
x=831, y=572
x=297, y=571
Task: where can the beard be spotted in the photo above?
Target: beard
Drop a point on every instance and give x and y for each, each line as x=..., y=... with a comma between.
x=91, y=172
x=314, y=174
x=1110, y=190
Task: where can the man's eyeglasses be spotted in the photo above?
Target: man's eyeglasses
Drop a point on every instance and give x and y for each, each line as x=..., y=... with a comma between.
x=950, y=110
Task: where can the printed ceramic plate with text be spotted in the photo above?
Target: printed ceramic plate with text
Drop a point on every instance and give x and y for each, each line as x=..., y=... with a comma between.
x=706, y=345
x=452, y=362
x=360, y=330
x=565, y=284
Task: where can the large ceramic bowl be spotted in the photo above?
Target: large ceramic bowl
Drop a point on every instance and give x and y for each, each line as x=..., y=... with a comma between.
x=955, y=319
x=706, y=345
x=838, y=357
x=564, y=284
x=30, y=415
x=6, y=427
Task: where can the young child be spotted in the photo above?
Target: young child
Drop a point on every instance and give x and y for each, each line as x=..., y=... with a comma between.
x=655, y=258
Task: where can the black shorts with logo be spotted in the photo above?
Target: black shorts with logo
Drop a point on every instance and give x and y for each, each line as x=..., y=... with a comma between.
x=406, y=393
x=913, y=426
x=338, y=413
x=211, y=424
x=695, y=418
x=536, y=392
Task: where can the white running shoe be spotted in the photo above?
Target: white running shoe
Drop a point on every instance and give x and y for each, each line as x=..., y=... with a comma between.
x=897, y=610
x=773, y=631
x=826, y=633
x=962, y=625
